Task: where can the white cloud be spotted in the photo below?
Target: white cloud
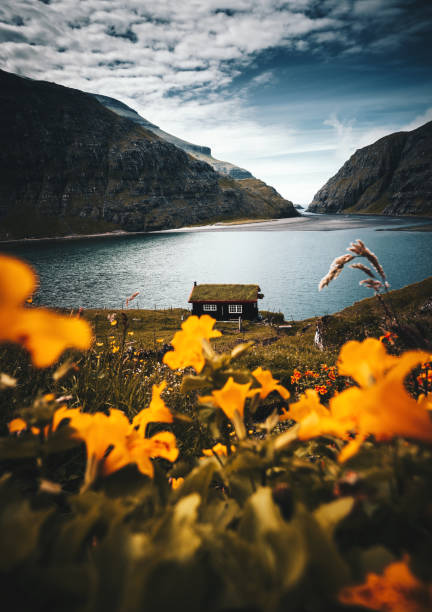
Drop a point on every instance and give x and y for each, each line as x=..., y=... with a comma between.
x=185, y=56
x=418, y=121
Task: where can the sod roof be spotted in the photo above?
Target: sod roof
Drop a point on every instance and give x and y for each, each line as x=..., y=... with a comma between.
x=225, y=293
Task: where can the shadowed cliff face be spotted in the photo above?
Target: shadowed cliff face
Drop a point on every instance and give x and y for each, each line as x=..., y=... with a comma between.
x=393, y=176
x=201, y=153
x=69, y=165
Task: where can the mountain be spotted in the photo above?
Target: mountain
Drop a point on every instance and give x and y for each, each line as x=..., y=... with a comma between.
x=68, y=165
x=393, y=176
x=199, y=152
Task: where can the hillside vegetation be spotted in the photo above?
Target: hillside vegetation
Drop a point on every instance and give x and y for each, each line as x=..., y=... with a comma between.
x=391, y=176
x=68, y=165
x=171, y=462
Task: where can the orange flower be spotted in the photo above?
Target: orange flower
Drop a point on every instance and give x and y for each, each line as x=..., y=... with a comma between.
x=113, y=442
x=43, y=333
x=296, y=376
x=311, y=373
x=397, y=590
x=187, y=343
x=321, y=389
x=157, y=412
x=380, y=405
x=365, y=361
x=219, y=449
x=308, y=407
x=331, y=374
x=268, y=383
x=17, y=425
x=176, y=483
x=389, y=336
x=231, y=398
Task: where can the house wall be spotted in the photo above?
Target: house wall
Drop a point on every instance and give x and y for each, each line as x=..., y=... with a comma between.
x=249, y=311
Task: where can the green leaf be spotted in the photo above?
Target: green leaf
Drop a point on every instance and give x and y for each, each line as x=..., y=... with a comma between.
x=194, y=383
x=19, y=527
x=239, y=376
x=220, y=513
x=198, y=481
x=60, y=440
x=375, y=559
x=280, y=545
x=329, y=515
x=92, y=514
x=326, y=566
x=240, y=349
x=25, y=446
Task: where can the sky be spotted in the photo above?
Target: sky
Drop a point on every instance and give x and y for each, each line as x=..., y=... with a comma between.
x=287, y=89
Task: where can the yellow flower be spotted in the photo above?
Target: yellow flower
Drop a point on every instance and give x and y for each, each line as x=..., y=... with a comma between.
x=43, y=333
x=219, y=449
x=115, y=349
x=365, y=361
x=187, y=343
x=113, y=322
x=268, y=383
x=308, y=407
x=157, y=412
x=176, y=483
x=99, y=343
x=112, y=442
x=160, y=340
x=17, y=425
x=231, y=398
x=130, y=333
x=380, y=405
x=397, y=590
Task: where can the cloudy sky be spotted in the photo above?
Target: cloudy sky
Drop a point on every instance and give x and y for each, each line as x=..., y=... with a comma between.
x=285, y=88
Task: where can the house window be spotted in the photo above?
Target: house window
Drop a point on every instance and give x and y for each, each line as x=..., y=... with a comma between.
x=235, y=308
x=210, y=307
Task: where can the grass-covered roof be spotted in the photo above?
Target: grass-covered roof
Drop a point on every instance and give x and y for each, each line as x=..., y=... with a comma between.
x=224, y=293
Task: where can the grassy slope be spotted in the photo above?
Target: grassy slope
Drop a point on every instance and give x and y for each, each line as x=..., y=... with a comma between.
x=124, y=380
x=280, y=349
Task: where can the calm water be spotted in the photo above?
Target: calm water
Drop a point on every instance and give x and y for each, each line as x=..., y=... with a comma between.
x=287, y=264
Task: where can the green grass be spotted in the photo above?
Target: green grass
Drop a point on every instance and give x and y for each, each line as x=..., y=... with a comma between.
x=239, y=525
x=124, y=379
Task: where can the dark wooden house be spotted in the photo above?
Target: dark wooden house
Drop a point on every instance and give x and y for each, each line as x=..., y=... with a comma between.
x=225, y=302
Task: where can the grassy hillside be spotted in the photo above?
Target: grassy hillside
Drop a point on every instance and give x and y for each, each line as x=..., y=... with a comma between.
x=235, y=494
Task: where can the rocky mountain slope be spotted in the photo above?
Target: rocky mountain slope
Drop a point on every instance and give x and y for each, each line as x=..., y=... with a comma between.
x=69, y=165
x=199, y=152
x=393, y=176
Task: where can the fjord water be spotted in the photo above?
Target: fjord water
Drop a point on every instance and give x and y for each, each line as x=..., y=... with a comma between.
x=102, y=272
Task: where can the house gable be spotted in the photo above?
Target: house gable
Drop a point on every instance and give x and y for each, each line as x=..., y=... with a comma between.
x=226, y=301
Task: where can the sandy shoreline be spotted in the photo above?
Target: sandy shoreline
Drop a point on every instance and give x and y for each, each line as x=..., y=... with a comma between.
x=315, y=222
x=308, y=222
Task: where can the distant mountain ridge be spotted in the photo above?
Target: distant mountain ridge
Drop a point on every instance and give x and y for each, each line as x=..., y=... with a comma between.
x=392, y=176
x=199, y=152
x=69, y=165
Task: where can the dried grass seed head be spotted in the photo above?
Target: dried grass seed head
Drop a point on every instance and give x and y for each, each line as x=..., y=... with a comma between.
x=359, y=248
x=376, y=285
x=363, y=268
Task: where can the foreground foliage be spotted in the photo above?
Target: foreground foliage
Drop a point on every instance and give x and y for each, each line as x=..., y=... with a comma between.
x=250, y=493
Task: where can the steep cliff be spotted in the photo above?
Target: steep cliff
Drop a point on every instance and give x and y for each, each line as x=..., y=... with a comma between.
x=393, y=176
x=198, y=151
x=69, y=165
